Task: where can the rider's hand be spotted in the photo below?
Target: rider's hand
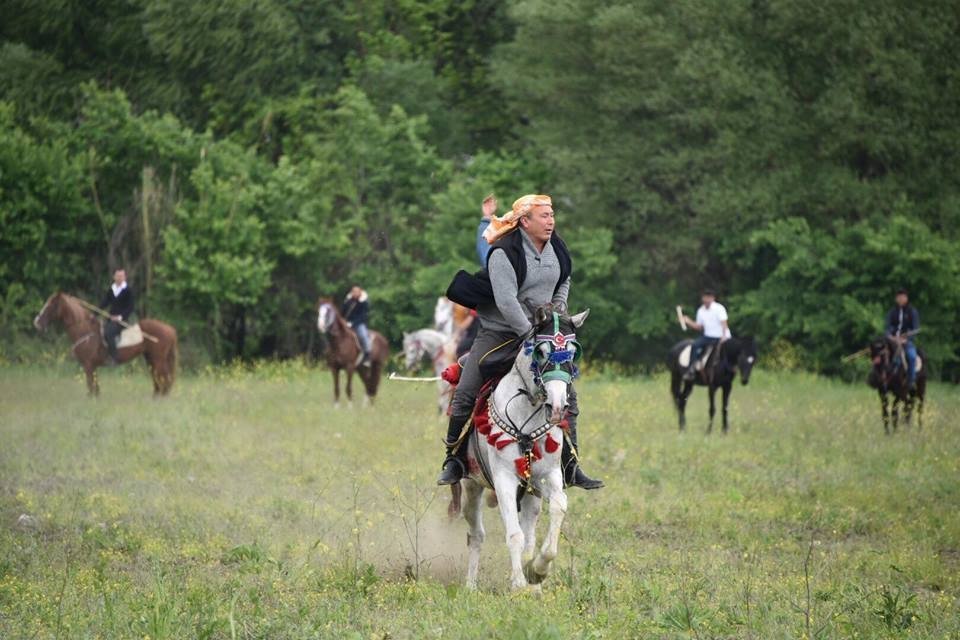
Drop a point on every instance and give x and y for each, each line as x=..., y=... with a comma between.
x=116, y=318
x=489, y=206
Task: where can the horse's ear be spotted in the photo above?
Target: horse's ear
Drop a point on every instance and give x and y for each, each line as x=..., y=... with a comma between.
x=542, y=314
x=580, y=318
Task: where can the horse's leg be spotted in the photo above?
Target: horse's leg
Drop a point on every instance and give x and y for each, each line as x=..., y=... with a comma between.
x=349, y=386
x=726, y=400
x=336, y=386
x=505, y=485
x=554, y=493
x=93, y=385
x=712, y=390
x=529, y=514
x=473, y=514
x=675, y=386
x=895, y=411
x=886, y=414
x=156, y=372
x=908, y=409
x=453, y=509
x=921, y=390
x=684, y=396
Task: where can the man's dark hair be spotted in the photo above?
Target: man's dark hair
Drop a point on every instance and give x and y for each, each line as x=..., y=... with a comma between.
x=902, y=290
x=709, y=292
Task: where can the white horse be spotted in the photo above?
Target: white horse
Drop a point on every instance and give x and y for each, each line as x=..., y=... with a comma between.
x=443, y=317
x=518, y=449
x=442, y=352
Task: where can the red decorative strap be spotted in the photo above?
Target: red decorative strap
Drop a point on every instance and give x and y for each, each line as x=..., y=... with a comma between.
x=551, y=445
x=523, y=467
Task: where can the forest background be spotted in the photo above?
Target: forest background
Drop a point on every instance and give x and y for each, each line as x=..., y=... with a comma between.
x=243, y=157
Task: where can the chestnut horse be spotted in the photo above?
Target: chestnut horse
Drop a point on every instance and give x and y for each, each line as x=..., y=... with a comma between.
x=343, y=351
x=89, y=350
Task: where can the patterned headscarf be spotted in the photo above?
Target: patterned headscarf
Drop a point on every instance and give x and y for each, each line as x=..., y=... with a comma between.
x=506, y=223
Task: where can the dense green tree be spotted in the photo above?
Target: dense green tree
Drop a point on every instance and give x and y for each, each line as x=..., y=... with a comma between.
x=689, y=126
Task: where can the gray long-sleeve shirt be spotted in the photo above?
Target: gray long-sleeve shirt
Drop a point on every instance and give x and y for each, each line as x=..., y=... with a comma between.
x=513, y=308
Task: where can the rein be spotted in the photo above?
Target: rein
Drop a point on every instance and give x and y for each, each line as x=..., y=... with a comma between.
x=84, y=338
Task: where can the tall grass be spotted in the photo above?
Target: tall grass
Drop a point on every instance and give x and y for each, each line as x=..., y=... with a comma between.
x=246, y=506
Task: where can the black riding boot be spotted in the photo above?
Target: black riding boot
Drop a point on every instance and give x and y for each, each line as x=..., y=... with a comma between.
x=573, y=475
x=455, y=464
x=111, y=336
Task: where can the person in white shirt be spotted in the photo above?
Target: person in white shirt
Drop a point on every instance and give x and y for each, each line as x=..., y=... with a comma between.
x=712, y=322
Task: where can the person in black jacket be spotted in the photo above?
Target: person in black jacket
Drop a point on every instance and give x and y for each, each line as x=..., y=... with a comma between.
x=903, y=322
x=118, y=302
x=356, y=310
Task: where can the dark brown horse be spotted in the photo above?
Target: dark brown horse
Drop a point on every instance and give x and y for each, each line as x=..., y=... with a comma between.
x=889, y=375
x=90, y=351
x=343, y=351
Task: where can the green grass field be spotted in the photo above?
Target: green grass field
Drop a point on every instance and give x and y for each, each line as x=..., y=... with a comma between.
x=246, y=506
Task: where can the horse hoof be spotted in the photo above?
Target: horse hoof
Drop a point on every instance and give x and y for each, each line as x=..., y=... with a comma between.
x=533, y=578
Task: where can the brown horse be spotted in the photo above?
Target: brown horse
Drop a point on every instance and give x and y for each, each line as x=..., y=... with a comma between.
x=89, y=350
x=343, y=351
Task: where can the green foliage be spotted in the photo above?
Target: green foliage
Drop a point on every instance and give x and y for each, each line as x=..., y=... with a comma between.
x=831, y=286
x=43, y=212
x=799, y=159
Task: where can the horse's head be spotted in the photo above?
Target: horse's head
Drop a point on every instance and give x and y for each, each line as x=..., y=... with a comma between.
x=879, y=352
x=552, y=349
x=50, y=310
x=747, y=358
x=412, y=350
x=326, y=314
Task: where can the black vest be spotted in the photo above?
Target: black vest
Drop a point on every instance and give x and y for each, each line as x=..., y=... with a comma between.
x=471, y=291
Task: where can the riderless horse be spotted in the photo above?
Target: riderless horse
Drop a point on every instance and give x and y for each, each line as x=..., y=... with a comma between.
x=717, y=372
x=344, y=352
x=88, y=347
x=889, y=375
x=443, y=320
x=441, y=350
x=514, y=449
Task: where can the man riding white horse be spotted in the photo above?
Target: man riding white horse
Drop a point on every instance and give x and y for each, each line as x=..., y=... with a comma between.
x=528, y=266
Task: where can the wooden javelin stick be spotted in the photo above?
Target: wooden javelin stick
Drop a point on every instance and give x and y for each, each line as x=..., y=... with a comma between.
x=394, y=376
x=97, y=310
x=683, y=325
x=850, y=357
x=866, y=350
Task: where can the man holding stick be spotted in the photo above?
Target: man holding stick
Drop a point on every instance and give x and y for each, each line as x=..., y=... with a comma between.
x=712, y=321
x=118, y=302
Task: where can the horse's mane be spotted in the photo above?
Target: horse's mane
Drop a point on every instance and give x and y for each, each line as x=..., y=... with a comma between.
x=75, y=309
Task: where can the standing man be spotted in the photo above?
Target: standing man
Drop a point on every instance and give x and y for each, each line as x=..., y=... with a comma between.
x=488, y=208
x=523, y=236
x=903, y=322
x=356, y=310
x=712, y=322
x=118, y=302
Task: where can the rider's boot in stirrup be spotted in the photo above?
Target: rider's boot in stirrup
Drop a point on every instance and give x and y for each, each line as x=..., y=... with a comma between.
x=573, y=475
x=455, y=464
